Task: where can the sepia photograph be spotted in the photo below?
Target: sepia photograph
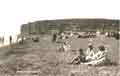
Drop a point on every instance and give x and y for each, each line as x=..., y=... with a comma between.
x=59, y=38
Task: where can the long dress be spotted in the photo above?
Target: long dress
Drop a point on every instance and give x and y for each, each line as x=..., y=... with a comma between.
x=89, y=54
x=99, y=58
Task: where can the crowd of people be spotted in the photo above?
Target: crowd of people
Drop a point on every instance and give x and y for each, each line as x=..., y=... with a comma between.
x=90, y=56
x=94, y=56
x=98, y=58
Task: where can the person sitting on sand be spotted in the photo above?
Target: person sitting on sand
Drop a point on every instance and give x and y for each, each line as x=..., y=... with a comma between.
x=80, y=58
x=90, y=52
x=100, y=57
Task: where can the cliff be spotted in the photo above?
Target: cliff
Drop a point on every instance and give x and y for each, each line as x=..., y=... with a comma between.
x=47, y=26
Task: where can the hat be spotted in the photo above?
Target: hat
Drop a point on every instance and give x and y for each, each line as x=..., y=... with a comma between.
x=90, y=44
x=102, y=48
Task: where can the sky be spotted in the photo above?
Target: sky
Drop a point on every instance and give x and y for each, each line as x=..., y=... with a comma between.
x=14, y=13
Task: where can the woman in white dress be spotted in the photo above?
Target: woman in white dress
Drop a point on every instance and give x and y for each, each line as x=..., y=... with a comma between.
x=99, y=58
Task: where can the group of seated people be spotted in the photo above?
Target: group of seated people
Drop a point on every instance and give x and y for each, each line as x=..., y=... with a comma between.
x=91, y=57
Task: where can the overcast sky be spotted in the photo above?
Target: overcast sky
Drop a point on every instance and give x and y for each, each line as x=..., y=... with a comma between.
x=14, y=13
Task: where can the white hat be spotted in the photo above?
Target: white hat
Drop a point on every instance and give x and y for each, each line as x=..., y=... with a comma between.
x=90, y=44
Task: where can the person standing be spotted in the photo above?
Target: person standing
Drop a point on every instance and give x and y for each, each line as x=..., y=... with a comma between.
x=54, y=37
x=3, y=40
x=10, y=40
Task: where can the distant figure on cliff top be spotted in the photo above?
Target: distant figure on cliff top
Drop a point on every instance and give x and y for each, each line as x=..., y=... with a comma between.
x=10, y=39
